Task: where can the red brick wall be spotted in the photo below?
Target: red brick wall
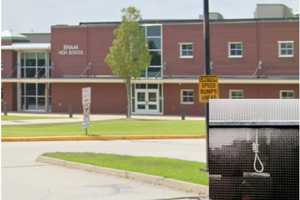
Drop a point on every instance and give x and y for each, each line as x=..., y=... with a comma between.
x=10, y=96
x=172, y=104
x=106, y=98
x=270, y=34
x=259, y=41
x=9, y=61
x=95, y=43
x=224, y=33
x=6, y=42
x=258, y=91
x=65, y=64
x=172, y=36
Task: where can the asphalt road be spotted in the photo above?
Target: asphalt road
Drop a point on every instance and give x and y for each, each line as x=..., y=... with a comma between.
x=23, y=178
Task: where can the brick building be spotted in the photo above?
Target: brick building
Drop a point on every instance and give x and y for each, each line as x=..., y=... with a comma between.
x=254, y=58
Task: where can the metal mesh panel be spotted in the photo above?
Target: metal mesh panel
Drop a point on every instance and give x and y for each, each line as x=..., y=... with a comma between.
x=254, y=110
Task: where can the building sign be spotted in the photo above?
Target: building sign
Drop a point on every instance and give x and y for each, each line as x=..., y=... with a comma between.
x=70, y=50
x=208, y=88
x=86, y=104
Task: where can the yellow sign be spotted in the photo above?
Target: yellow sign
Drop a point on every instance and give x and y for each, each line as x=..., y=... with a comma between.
x=208, y=88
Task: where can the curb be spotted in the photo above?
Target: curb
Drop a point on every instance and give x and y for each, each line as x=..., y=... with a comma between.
x=150, y=179
x=91, y=138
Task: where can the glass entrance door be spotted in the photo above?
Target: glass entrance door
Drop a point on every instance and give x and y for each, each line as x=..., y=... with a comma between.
x=152, y=103
x=147, y=101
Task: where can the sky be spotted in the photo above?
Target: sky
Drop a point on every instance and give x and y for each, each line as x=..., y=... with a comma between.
x=38, y=15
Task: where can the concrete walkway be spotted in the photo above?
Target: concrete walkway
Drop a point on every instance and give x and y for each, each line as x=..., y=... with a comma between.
x=55, y=118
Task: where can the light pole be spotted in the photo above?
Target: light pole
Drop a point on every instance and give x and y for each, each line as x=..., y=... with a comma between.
x=207, y=66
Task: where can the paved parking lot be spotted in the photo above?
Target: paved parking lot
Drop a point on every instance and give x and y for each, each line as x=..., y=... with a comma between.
x=23, y=178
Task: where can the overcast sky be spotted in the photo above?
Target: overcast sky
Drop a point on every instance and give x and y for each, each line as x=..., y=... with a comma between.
x=39, y=15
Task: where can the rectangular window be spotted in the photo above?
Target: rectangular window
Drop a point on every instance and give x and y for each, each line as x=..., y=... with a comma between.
x=154, y=39
x=154, y=44
x=33, y=96
x=236, y=94
x=22, y=59
x=155, y=58
x=153, y=31
x=287, y=94
x=286, y=48
x=186, y=50
x=187, y=97
x=34, y=64
x=30, y=59
x=41, y=59
x=235, y=49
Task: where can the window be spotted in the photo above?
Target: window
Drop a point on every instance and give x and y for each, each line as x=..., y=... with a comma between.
x=155, y=58
x=186, y=50
x=287, y=94
x=236, y=94
x=286, y=48
x=30, y=59
x=187, y=97
x=34, y=64
x=33, y=96
x=235, y=49
x=154, y=38
x=153, y=31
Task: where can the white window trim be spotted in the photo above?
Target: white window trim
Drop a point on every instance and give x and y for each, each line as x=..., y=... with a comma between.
x=236, y=90
x=229, y=50
x=281, y=91
x=180, y=50
x=279, y=49
x=181, y=96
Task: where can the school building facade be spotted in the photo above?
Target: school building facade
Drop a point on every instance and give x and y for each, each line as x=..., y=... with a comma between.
x=254, y=58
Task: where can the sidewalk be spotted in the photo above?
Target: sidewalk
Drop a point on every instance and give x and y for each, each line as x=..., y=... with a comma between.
x=64, y=118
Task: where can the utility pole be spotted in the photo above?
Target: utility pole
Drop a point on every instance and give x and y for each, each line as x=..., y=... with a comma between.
x=207, y=66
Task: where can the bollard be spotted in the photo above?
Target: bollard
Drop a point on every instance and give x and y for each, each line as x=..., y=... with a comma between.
x=70, y=111
x=182, y=115
x=5, y=108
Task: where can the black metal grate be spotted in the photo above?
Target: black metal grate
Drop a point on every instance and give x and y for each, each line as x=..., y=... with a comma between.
x=231, y=159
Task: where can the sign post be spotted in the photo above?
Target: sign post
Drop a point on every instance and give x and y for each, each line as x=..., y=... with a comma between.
x=86, y=104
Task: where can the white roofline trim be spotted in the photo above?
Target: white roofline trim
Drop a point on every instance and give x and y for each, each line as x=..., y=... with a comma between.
x=27, y=46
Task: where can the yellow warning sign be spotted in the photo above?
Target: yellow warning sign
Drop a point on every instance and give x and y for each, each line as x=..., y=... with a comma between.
x=208, y=88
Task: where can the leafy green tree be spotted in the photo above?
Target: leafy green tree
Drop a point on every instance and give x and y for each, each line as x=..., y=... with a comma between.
x=128, y=56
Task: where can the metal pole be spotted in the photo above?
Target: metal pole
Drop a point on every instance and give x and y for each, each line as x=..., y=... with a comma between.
x=207, y=67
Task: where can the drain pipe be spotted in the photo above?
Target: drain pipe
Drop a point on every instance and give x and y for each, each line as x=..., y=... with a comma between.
x=256, y=157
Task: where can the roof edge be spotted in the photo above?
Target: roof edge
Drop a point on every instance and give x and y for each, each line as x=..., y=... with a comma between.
x=192, y=21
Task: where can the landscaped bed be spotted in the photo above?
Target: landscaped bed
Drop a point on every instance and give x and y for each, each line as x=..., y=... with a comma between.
x=189, y=171
x=122, y=127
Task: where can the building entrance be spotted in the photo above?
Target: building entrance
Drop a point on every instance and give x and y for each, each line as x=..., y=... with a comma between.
x=147, y=99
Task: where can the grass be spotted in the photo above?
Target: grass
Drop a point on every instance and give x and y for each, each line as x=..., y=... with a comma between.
x=189, y=171
x=24, y=117
x=111, y=127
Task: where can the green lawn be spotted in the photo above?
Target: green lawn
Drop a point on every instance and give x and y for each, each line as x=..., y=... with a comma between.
x=188, y=171
x=111, y=127
x=24, y=117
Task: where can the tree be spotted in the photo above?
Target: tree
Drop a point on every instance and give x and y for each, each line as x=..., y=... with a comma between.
x=128, y=57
